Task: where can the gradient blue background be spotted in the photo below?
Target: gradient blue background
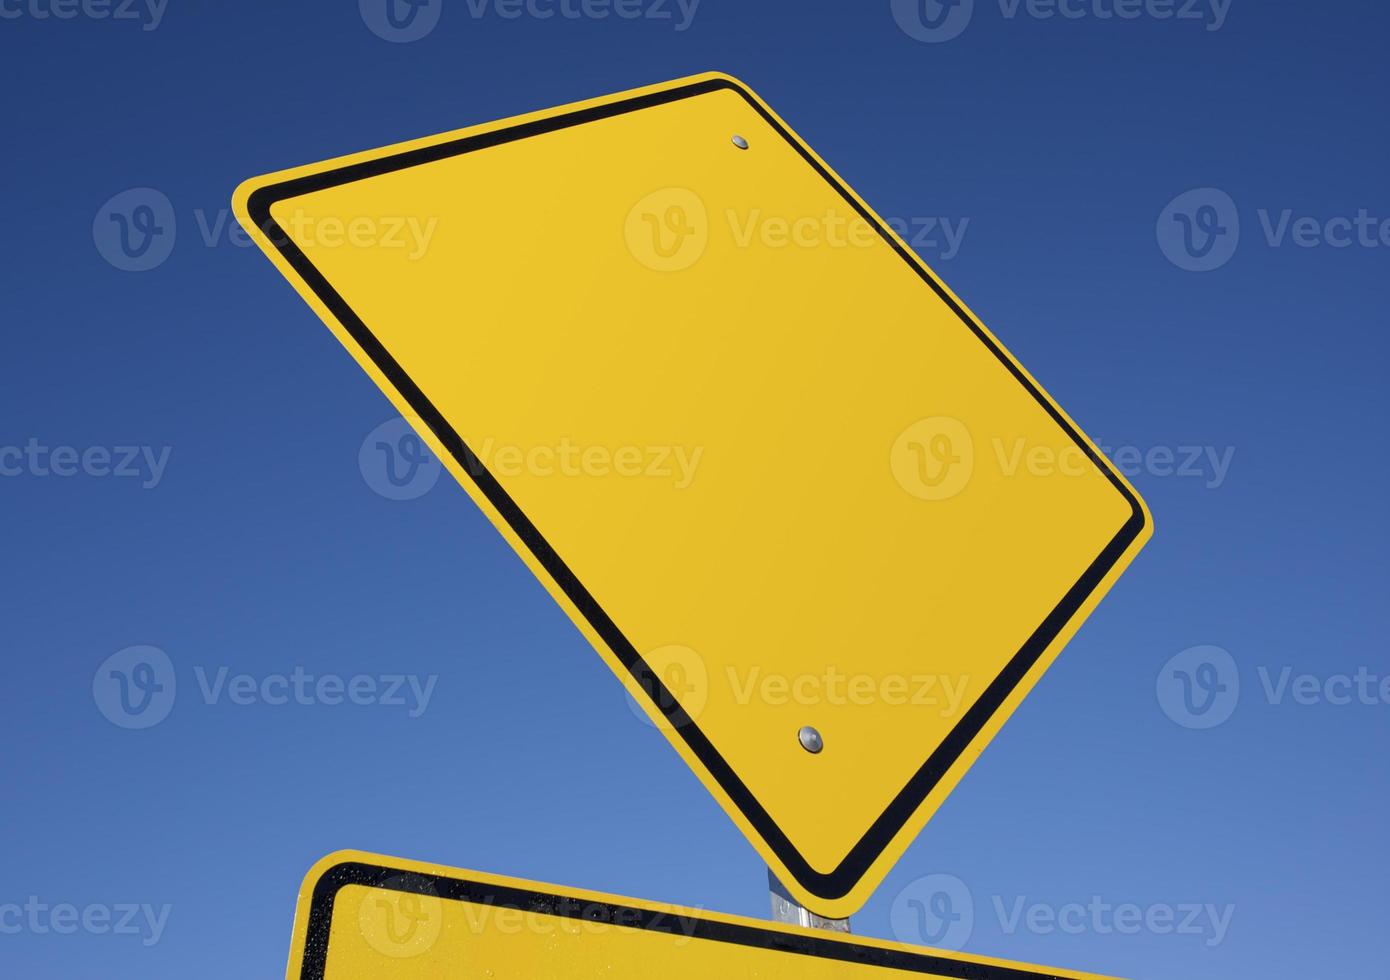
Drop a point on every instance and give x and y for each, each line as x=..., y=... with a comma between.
x=263, y=547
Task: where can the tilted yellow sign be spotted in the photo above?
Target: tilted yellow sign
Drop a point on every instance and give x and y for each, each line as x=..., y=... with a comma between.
x=822, y=525
x=364, y=917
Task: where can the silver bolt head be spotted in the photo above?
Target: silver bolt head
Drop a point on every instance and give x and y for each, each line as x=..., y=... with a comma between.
x=740, y=142
x=810, y=739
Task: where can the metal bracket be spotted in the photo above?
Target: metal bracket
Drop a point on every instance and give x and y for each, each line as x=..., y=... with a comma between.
x=786, y=909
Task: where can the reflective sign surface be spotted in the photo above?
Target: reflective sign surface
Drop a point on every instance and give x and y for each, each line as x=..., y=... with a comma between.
x=364, y=917
x=824, y=528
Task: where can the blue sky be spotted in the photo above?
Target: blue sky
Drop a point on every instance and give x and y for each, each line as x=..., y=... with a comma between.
x=1178, y=223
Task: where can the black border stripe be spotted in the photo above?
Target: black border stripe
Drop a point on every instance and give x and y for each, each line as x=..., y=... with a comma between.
x=829, y=885
x=319, y=928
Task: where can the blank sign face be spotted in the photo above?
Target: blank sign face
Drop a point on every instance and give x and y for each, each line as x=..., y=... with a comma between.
x=365, y=917
x=791, y=490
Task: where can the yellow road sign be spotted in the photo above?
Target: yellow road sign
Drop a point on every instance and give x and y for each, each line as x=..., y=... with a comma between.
x=365, y=917
x=826, y=530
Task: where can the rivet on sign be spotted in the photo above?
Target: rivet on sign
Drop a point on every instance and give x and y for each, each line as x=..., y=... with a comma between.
x=740, y=142
x=810, y=739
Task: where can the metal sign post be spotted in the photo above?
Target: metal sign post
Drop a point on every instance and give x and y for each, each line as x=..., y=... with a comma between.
x=786, y=909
